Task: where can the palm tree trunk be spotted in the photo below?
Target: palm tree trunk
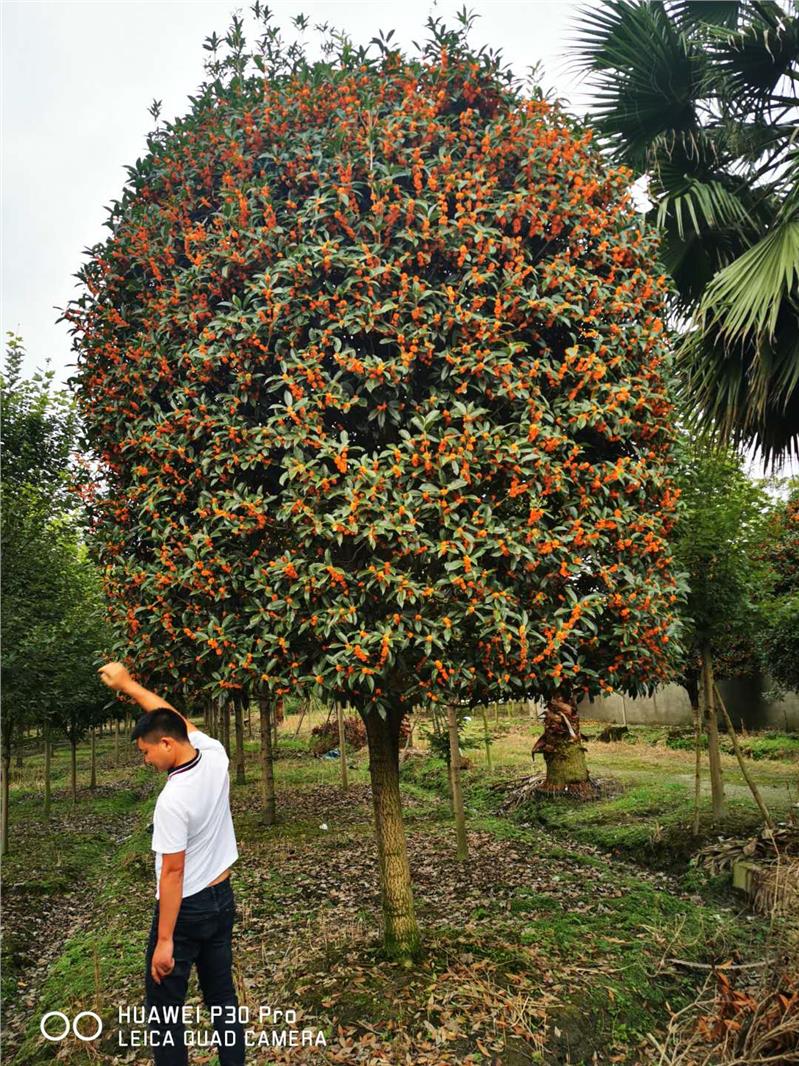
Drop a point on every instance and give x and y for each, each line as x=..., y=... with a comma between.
x=712, y=730
x=455, y=782
x=401, y=933
x=267, y=762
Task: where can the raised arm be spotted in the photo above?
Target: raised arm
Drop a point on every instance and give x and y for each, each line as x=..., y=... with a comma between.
x=116, y=676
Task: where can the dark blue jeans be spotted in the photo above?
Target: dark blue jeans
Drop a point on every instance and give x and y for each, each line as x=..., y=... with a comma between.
x=202, y=935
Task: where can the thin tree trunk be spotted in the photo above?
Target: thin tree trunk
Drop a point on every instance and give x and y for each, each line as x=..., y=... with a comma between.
x=4, y=817
x=487, y=738
x=93, y=745
x=224, y=710
x=698, y=759
x=74, y=769
x=739, y=756
x=241, y=778
x=342, y=744
x=249, y=719
x=47, y=785
x=455, y=781
x=276, y=714
x=712, y=730
x=299, y=724
x=116, y=742
x=267, y=762
x=400, y=932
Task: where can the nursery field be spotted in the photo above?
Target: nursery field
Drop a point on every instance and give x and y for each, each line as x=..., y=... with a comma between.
x=572, y=933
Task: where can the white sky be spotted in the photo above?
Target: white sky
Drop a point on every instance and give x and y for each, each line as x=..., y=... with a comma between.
x=78, y=77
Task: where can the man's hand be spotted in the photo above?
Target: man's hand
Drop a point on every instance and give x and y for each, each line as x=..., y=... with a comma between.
x=115, y=675
x=163, y=962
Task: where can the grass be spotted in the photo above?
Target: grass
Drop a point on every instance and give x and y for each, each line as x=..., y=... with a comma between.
x=550, y=944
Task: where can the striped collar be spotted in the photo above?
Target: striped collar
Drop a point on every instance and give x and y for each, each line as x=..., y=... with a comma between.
x=185, y=766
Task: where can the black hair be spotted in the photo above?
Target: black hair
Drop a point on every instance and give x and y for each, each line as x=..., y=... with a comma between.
x=162, y=722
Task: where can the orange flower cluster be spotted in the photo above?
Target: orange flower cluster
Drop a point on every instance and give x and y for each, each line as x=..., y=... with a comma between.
x=373, y=366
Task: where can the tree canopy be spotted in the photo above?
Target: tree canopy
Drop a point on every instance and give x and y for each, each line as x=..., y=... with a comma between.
x=372, y=362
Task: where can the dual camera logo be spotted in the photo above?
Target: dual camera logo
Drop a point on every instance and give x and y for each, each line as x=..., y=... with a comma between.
x=50, y=1029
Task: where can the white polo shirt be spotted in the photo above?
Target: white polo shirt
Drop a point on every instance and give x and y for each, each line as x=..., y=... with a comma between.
x=192, y=814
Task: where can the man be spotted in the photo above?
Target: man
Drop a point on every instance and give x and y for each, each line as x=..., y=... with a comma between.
x=195, y=846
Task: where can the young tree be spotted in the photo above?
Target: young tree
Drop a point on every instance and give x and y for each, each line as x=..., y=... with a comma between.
x=702, y=98
x=720, y=527
x=371, y=361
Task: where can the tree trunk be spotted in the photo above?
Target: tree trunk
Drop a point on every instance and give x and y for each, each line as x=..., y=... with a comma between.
x=401, y=933
x=277, y=716
x=693, y=695
x=564, y=754
x=4, y=817
x=224, y=710
x=74, y=769
x=455, y=782
x=249, y=719
x=302, y=715
x=116, y=742
x=487, y=738
x=241, y=778
x=47, y=786
x=267, y=763
x=93, y=777
x=712, y=730
x=342, y=744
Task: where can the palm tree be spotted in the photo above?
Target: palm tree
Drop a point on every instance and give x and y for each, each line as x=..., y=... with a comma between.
x=701, y=98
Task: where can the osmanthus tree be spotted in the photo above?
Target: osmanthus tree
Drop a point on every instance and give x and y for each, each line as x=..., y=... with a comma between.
x=718, y=544
x=371, y=361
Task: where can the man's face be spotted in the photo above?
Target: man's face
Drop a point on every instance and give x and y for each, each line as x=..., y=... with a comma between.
x=159, y=754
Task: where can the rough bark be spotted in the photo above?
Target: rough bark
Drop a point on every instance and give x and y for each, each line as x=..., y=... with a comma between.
x=267, y=763
x=462, y=849
x=712, y=730
x=562, y=747
x=401, y=933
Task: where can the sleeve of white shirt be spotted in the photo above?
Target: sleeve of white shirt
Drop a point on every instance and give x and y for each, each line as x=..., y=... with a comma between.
x=170, y=826
x=202, y=742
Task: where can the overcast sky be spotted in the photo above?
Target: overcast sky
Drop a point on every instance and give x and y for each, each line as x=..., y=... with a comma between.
x=78, y=79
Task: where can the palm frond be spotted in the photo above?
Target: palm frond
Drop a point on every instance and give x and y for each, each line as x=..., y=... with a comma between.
x=744, y=299
x=758, y=56
x=647, y=75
